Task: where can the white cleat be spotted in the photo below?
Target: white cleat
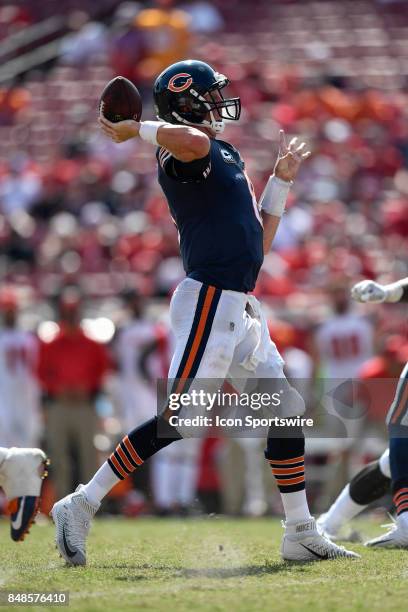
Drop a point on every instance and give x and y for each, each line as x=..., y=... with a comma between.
x=395, y=537
x=72, y=516
x=338, y=535
x=302, y=541
x=323, y=529
x=22, y=472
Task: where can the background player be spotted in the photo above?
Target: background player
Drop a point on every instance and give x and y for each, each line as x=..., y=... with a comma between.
x=220, y=330
x=342, y=343
x=174, y=469
x=22, y=471
x=345, y=340
x=20, y=418
x=135, y=397
x=373, y=481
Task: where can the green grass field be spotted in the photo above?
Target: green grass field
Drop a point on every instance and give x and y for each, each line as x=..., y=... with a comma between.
x=205, y=564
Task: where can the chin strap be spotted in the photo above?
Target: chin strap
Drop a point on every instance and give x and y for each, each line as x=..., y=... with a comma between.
x=217, y=126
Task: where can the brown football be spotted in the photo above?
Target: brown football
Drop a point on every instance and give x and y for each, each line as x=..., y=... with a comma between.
x=121, y=100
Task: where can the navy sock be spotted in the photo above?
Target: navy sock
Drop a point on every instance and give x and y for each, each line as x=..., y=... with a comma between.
x=140, y=444
x=286, y=456
x=399, y=472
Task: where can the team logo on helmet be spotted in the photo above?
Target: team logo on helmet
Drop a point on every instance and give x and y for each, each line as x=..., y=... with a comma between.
x=185, y=80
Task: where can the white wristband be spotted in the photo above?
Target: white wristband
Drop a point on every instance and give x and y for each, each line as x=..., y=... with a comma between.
x=148, y=131
x=273, y=198
x=394, y=291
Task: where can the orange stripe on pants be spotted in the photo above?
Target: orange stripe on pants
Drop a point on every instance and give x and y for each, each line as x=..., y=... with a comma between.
x=198, y=336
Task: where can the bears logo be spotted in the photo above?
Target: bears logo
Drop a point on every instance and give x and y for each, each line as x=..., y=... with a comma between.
x=185, y=80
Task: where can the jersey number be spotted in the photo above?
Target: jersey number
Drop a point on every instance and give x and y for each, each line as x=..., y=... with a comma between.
x=344, y=347
x=254, y=202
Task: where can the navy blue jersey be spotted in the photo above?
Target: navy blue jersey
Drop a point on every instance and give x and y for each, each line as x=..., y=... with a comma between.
x=213, y=205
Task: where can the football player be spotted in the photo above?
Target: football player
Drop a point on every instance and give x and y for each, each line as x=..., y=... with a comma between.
x=22, y=471
x=20, y=414
x=374, y=480
x=135, y=399
x=220, y=330
x=345, y=340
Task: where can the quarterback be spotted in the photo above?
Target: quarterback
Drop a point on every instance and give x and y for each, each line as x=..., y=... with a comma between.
x=391, y=469
x=219, y=328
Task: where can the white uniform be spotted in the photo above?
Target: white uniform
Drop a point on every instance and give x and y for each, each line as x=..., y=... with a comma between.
x=344, y=343
x=20, y=420
x=137, y=400
x=220, y=335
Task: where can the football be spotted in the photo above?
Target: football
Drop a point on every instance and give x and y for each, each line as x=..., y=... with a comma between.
x=121, y=100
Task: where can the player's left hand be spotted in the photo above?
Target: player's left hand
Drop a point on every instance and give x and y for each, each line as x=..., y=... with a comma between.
x=289, y=158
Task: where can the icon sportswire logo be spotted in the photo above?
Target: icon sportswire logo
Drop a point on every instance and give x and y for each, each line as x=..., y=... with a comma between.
x=180, y=82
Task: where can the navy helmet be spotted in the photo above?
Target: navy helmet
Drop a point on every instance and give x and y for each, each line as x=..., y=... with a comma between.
x=184, y=93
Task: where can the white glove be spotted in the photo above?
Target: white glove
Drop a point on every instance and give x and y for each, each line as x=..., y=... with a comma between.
x=369, y=291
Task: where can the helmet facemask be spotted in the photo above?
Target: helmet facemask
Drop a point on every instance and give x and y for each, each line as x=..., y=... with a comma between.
x=200, y=105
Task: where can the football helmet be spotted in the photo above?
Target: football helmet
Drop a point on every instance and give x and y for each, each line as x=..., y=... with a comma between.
x=190, y=92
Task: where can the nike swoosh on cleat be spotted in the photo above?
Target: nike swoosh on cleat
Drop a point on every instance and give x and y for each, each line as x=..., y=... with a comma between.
x=324, y=557
x=69, y=552
x=18, y=521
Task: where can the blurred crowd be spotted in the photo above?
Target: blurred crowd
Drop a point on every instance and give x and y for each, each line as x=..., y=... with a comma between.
x=83, y=223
